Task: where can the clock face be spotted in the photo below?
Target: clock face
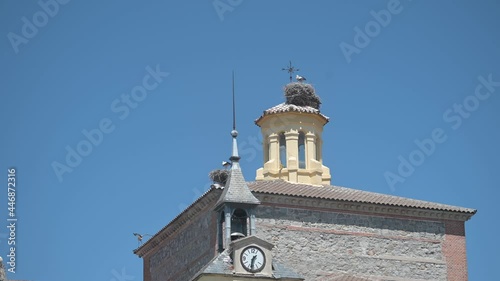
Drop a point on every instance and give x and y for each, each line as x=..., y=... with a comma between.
x=253, y=259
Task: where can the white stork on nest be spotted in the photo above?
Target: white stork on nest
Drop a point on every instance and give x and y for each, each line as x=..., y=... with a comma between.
x=300, y=79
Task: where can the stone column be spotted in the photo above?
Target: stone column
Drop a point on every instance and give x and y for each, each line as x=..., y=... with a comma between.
x=292, y=149
x=310, y=149
x=319, y=149
x=252, y=222
x=227, y=213
x=274, y=150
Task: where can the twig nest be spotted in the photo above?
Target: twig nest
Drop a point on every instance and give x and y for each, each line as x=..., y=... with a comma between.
x=219, y=176
x=302, y=95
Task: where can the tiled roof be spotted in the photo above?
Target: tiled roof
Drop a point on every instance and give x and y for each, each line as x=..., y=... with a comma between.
x=220, y=264
x=281, y=187
x=284, y=107
x=281, y=271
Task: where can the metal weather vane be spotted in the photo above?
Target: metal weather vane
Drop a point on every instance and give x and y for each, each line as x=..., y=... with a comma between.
x=290, y=69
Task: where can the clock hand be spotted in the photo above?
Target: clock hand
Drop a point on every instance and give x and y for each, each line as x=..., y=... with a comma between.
x=253, y=261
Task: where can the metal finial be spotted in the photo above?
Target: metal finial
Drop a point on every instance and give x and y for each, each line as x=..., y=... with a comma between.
x=290, y=69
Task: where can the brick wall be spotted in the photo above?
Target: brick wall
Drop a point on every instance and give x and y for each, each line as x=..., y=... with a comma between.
x=454, y=251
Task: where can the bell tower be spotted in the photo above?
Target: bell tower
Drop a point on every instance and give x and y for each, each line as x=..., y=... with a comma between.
x=292, y=142
x=235, y=207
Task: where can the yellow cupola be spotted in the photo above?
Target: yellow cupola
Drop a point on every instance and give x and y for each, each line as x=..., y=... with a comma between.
x=292, y=141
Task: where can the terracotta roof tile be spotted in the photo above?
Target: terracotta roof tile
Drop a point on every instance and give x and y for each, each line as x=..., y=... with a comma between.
x=284, y=107
x=281, y=187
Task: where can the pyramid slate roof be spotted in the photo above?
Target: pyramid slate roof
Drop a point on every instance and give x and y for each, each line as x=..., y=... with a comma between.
x=236, y=189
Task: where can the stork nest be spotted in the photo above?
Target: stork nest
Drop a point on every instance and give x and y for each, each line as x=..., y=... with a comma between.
x=219, y=176
x=302, y=95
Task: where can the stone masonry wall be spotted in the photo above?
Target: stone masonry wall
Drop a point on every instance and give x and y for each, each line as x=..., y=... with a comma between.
x=181, y=256
x=319, y=244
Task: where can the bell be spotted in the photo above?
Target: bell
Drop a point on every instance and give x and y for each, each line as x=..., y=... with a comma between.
x=236, y=235
x=237, y=225
x=239, y=222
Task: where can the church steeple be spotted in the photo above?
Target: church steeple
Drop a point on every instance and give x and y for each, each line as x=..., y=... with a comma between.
x=292, y=138
x=237, y=203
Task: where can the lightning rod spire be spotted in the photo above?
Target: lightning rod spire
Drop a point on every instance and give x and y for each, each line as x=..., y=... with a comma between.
x=235, y=156
x=234, y=108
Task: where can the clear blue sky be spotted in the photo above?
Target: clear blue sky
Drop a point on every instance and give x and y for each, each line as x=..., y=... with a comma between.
x=65, y=68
